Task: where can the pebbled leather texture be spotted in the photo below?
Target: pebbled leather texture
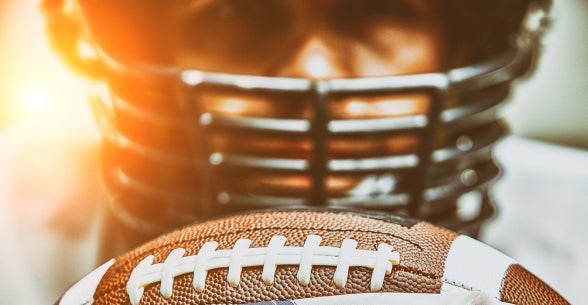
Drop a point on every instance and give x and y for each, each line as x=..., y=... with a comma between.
x=423, y=249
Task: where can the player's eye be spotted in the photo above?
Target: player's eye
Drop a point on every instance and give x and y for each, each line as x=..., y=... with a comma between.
x=234, y=23
x=355, y=18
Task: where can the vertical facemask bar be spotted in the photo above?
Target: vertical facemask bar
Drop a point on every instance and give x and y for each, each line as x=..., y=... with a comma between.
x=320, y=138
x=438, y=96
x=436, y=86
x=193, y=110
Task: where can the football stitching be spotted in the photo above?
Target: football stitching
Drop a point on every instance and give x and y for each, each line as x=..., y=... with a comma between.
x=419, y=272
x=275, y=254
x=241, y=232
x=458, y=284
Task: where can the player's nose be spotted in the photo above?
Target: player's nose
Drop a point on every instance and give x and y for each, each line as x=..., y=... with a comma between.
x=317, y=59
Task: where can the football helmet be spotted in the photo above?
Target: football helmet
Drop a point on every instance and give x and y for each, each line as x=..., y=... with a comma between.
x=185, y=143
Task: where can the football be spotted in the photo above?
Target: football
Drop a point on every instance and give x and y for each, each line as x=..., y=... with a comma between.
x=311, y=256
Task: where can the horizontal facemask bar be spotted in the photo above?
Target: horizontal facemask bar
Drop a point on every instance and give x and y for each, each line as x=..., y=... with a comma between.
x=444, y=131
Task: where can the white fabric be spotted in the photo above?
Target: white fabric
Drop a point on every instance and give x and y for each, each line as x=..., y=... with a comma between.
x=542, y=215
x=82, y=292
x=472, y=265
x=464, y=298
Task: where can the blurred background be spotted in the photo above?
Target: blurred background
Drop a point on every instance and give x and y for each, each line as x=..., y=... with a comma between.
x=49, y=163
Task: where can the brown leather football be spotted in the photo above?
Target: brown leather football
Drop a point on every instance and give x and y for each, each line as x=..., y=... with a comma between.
x=312, y=257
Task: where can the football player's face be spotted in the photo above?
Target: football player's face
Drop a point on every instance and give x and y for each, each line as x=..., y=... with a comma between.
x=316, y=39
x=305, y=38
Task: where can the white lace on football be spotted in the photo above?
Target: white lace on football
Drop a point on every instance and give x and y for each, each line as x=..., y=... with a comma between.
x=275, y=254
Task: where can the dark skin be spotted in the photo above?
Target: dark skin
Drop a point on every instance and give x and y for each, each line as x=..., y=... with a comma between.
x=311, y=39
x=316, y=39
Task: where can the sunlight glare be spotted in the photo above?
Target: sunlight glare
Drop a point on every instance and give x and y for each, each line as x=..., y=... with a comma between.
x=36, y=100
x=38, y=93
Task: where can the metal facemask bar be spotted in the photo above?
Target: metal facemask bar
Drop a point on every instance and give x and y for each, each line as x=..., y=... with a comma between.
x=182, y=146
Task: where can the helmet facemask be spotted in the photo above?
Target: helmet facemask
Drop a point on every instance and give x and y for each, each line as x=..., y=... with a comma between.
x=184, y=144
